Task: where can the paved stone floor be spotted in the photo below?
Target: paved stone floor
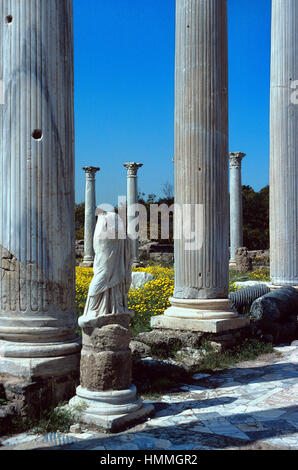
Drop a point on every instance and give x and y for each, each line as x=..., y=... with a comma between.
x=251, y=406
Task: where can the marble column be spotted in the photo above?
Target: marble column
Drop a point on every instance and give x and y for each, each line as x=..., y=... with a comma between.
x=90, y=217
x=200, y=299
x=132, y=200
x=37, y=250
x=236, y=213
x=284, y=144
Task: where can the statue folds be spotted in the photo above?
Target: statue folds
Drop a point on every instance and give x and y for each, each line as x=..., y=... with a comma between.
x=112, y=271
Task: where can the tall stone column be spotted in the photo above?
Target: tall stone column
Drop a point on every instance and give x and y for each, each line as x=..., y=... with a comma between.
x=200, y=299
x=284, y=144
x=132, y=200
x=236, y=212
x=90, y=217
x=37, y=255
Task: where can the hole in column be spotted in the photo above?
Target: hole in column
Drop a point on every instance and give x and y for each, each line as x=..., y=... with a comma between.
x=200, y=274
x=37, y=134
x=9, y=19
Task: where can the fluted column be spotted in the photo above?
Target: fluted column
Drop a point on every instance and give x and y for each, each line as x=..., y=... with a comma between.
x=201, y=166
x=37, y=255
x=132, y=200
x=236, y=212
x=284, y=144
x=90, y=217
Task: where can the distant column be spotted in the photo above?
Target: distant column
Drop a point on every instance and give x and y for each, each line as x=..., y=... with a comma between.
x=90, y=217
x=284, y=144
x=236, y=213
x=132, y=200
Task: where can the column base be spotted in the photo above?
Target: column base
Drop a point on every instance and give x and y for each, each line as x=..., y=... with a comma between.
x=39, y=360
x=32, y=384
x=206, y=315
x=36, y=368
x=111, y=411
x=274, y=287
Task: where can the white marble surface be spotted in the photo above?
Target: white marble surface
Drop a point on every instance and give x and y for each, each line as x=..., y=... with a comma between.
x=284, y=144
x=37, y=282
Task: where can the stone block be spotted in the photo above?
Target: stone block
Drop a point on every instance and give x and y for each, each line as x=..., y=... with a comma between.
x=207, y=326
x=109, y=337
x=140, y=279
x=106, y=370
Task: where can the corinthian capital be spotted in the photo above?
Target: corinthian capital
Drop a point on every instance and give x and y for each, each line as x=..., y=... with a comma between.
x=132, y=168
x=91, y=171
x=236, y=159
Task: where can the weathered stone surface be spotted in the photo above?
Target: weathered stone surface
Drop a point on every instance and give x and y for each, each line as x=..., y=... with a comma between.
x=275, y=315
x=139, y=350
x=108, y=338
x=7, y=413
x=37, y=259
x=139, y=279
x=243, y=261
x=190, y=357
x=166, y=342
x=277, y=306
x=106, y=370
x=31, y=397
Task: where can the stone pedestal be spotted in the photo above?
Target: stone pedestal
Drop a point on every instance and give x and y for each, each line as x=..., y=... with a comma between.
x=90, y=217
x=37, y=256
x=284, y=144
x=201, y=168
x=132, y=200
x=236, y=213
x=110, y=399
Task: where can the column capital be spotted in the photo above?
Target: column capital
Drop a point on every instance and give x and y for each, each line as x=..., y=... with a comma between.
x=132, y=168
x=91, y=171
x=236, y=159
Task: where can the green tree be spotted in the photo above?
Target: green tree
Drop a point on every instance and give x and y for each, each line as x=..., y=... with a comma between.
x=79, y=220
x=255, y=218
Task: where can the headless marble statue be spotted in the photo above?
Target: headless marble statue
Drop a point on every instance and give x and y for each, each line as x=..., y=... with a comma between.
x=109, y=398
x=112, y=271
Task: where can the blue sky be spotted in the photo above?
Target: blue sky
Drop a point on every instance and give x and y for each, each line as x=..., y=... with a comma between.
x=124, y=91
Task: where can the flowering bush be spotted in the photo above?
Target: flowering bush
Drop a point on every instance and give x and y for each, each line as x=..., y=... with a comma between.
x=260, y=275
x=153, y=298
x=83, y=279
